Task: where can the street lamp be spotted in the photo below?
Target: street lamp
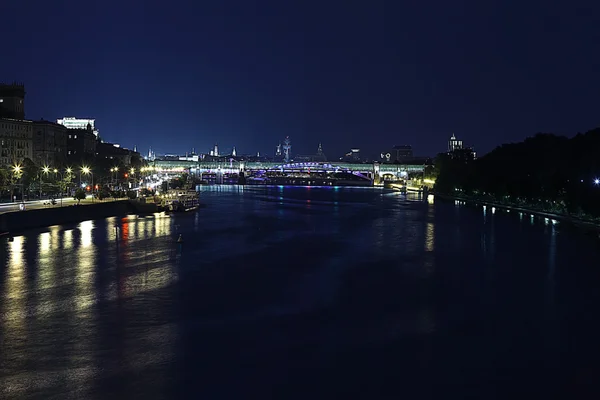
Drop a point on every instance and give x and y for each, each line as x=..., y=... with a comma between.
x=596, y=181
x=45, y=170
x=17, y=172
x=57, y=172
x=69, y=171
x=87, y=171
x=132, y=172
x=115, y=170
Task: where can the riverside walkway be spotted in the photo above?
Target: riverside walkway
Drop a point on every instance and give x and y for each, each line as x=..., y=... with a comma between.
x=42, y=204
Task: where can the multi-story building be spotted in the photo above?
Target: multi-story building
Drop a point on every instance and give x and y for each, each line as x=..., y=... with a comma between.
x=111, y=151
x=81, y=143
x=15, y=141
x=398, y=154
x=12, y=101
x=49, y=143
x=454, y=144
x=78, y=123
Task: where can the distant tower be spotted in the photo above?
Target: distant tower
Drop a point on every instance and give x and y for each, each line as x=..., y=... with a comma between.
x=320, y=157
x=134, y=148
x=454, y=144
x=12, y=101
x=216, y=150
x=287, y=149
x=233, y=152
x=258, y=154
x=278, y=150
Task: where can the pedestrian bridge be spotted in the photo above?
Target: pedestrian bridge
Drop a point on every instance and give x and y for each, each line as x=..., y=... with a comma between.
x=232, y=166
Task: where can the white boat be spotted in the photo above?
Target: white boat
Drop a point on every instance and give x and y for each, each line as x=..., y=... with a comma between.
x=180, y=200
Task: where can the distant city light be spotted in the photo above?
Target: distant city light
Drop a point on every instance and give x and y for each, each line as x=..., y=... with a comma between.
x=597, y=181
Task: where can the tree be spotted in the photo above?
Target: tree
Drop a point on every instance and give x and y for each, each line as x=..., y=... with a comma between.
x=79, y=195
x=31, y=173
x=548, y=172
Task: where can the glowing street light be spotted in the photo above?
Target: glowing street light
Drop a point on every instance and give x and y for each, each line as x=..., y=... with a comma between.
x=597, y=181
x=17, y=169
x=87, y=170
x=46, y=169
x=69, y=170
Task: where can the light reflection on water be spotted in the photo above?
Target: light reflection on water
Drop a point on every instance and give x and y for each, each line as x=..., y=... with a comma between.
x=102, y=303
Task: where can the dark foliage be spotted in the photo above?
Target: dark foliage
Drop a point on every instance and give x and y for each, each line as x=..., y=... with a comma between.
x=546, y=171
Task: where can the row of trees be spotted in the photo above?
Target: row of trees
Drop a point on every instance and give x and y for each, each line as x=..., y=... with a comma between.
x=28, y=180
x=546, y=171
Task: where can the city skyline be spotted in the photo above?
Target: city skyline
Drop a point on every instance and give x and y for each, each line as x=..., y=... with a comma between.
x=354, y=76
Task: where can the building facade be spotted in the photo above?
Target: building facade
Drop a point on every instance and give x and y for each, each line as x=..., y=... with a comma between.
x=454, y=144
x=78, y=123
x=398, y=154
x=12, y=101
x=110, y=151
x=15, y=141
x=81, y=143
x=49, y=143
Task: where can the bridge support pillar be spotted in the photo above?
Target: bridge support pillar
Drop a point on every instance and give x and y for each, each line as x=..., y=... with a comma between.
x=376, y=173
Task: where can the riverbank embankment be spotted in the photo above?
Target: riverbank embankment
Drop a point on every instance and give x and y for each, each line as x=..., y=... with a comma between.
x=17, y=221
x=563, y=218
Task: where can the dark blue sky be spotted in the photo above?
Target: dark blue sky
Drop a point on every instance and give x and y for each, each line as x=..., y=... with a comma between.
x=180, y=74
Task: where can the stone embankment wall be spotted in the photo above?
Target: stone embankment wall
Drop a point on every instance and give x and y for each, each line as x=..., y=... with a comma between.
x=22, y=220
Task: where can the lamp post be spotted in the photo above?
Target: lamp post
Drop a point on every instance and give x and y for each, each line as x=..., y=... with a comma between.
x=87, y=171
x=45, y=170
x=132, y=173
x=114, y=170
x=56, y=172
x=69, y=172
x=18, y=173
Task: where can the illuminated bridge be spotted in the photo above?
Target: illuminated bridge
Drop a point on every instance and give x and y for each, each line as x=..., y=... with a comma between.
x=235, y=167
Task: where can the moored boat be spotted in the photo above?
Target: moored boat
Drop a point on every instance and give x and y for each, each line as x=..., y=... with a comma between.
x=180, y=200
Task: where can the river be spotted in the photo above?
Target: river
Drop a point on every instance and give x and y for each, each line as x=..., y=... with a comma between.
x=289, y=292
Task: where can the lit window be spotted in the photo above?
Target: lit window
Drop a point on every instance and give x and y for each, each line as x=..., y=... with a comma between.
x=75, y=136
x=1, y=100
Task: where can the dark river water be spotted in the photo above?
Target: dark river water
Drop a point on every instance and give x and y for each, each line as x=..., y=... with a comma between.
x=302, y=293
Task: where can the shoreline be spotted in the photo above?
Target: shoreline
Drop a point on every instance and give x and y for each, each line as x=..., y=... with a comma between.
x=19, y=221
x=563, y=218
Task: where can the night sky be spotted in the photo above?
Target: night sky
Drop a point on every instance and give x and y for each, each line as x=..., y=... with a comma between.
x=180, y=74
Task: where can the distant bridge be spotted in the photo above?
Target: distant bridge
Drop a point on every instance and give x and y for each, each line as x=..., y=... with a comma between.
x=234, y=167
